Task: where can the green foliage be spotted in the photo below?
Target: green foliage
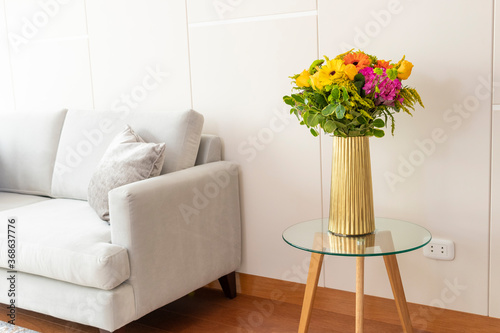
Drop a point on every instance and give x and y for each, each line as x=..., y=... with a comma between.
x=312, y=68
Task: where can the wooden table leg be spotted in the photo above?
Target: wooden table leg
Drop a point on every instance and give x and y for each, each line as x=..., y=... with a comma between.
x=310, y=293
x=360, y=292
x=391, y=264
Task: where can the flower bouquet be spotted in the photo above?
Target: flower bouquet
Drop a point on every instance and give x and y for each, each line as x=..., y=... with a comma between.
x=352, y=95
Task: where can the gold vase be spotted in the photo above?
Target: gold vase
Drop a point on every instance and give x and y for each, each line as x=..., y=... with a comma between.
x=353, y=244
x=351, y=199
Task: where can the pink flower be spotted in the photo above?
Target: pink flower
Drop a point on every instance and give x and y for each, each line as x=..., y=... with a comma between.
x=388, y=90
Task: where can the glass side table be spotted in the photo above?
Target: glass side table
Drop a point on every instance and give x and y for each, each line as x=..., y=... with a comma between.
x=390, y=237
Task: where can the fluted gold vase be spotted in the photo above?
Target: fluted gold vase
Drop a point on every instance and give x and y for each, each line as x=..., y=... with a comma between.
x=351, y=199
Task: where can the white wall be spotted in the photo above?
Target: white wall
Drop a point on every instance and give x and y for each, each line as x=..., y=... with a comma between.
x=230, y=60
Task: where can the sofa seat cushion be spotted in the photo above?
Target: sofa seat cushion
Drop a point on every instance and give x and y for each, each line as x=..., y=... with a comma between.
x=13, y=200
x=64, y=239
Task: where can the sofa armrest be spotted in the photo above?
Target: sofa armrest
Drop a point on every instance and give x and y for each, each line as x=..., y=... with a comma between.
x=182, y=230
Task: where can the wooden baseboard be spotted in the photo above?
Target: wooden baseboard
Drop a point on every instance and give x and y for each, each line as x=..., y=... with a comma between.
x=425, y=318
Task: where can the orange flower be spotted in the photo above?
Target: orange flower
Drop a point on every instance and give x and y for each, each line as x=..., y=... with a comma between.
x=384, y=64
x=358, y=59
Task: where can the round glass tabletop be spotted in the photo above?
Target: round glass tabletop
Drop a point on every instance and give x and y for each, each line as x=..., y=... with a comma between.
x=390, y=237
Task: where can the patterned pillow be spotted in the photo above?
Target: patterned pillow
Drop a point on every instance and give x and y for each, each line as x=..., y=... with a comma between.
x=128, y=159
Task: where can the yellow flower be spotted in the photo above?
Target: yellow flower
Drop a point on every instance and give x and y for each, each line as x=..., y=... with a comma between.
x=351, y=71
x=331, y=70
x=303, y=79
x=315, y=81
x=404, y=70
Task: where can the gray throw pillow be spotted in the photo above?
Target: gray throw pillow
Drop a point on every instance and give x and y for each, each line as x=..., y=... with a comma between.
x=128, y=159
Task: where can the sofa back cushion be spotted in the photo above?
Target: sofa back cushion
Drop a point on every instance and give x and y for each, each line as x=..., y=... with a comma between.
x=87, y=134
x=28, y=147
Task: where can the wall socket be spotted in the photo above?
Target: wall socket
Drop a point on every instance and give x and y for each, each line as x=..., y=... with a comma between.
x=440, y=249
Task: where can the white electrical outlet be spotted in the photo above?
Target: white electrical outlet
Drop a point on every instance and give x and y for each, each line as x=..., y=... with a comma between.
x=440, y=249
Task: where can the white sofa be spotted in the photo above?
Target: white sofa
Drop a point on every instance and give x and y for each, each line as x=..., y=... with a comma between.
x=167, y=235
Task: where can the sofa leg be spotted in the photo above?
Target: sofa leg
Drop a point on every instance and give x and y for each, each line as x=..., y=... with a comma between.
x=228, y=284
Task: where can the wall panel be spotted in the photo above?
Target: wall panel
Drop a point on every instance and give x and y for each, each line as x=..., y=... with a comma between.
x=139, y=54
x=6, y=92
x=239, y=75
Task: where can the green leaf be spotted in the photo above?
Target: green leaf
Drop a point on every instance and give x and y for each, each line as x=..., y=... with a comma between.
x=362, y=120
x=312, y=68
x=378, y=133
x=339, y=124
x=377, y=89
x=359, y=82
x=289, y=100
x=354, y=112
x=329, y=126
x=354, y=133
x=345, y=95
x=305, y=115
x=298, y=98
x=340, y=133
x=378, y=123
x=335, y=94
x=328, y=110
x=355, y=122
x=359, y=77
x=320, y=100
x=313, y=120
x=314, y=132
x=339, y=111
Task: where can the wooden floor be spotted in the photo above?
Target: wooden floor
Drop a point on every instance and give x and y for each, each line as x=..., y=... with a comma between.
x=267, y=305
